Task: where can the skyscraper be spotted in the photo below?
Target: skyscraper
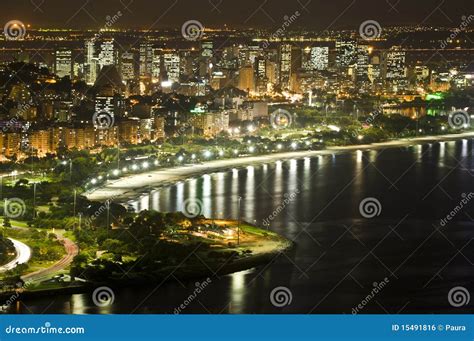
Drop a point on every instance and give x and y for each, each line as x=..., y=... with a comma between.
x=395, y=66
x=63, y=63
x=146, y=59
x=107, y=55
x=362, y=63
x=345, y=52
x=319, y=57
x=90, y=64
x=246, y=79
x=127, y=67
x=285, y=65
x=171, y=64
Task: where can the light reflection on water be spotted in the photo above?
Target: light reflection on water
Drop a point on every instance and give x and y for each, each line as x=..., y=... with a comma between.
x=332, y=238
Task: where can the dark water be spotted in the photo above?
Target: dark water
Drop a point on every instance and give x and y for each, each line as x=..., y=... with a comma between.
x=339, y=254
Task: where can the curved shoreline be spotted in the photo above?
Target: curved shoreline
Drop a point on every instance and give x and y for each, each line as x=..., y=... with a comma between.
x=132, y=186
x=170, y=274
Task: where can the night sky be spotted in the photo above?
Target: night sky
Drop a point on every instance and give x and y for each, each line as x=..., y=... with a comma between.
x=315, y=14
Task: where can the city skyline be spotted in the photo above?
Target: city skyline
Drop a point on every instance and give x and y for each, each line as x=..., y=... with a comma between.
x=308, y=157
x=315, y=15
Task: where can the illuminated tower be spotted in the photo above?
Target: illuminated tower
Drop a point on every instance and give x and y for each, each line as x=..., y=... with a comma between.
x=285, y=65
x=63, y=63
x=345, y=52
x=107, y=55
x=90, y=64
x=319, y=58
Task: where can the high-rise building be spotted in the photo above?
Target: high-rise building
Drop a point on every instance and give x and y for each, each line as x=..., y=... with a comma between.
x=395, y=66
x=362, y=63
x=207, y=49
x=107, y=55
x=90, y=63
x=156, y=65
x=63, y=63
x=171, y=65
x=345, y=52
x=40, y=142
x=261, y=68
x=285, y=65
x=319, y=58
x=246, y=79
x=127, y=66
x=261, y=74
x=146, y=58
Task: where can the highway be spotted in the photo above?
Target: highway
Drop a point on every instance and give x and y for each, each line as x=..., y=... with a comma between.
x=23, y=255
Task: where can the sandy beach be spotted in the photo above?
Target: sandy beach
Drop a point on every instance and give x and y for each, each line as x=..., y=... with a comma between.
x=132, y=186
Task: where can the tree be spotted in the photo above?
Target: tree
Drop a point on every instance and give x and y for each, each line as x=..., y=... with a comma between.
x=6, y=222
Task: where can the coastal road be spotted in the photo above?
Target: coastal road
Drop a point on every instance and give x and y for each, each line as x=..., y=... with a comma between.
x=23, y=255
x=71, y=251
x=131, y=186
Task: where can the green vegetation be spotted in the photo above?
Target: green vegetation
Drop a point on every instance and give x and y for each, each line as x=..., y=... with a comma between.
x=46, y=249
x=7, y=250
x=149, y=245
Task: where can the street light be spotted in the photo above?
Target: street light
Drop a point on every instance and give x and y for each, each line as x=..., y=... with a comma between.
x=238, y=226
x=34, y=200
x=74, y=205
x=65, y=162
